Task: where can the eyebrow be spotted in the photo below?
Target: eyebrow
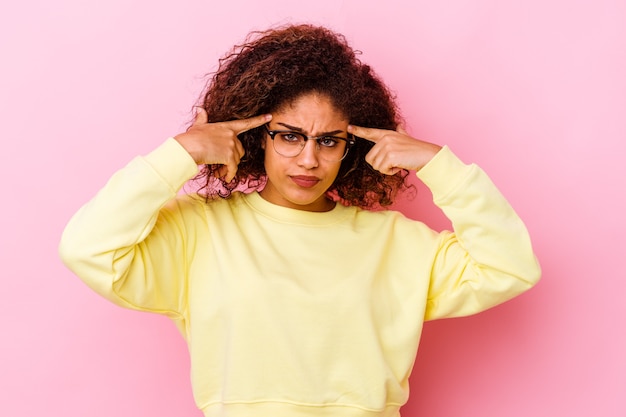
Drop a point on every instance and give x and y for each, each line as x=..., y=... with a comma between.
x=300, y=130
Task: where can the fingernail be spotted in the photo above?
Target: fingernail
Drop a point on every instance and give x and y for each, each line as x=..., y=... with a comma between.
x=268, y=117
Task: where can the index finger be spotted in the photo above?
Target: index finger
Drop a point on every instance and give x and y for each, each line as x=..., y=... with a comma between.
x=243, y=125
x=369, y=133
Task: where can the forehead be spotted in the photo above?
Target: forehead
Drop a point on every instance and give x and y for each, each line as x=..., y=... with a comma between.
x=311, y=112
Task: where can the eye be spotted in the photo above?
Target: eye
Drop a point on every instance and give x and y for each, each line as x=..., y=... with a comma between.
x=328, y=141
x=290, y=137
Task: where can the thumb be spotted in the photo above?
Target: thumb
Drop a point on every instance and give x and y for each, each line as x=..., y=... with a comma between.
x=201, y=116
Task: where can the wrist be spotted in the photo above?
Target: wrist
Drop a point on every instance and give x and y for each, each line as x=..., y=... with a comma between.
x=428, y=153
x=190, y=146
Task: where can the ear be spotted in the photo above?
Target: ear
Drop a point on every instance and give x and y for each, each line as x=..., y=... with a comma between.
x=263, y=142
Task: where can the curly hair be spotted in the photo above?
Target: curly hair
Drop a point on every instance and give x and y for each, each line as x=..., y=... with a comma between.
x=274, y=68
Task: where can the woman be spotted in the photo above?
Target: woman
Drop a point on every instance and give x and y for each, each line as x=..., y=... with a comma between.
x=296, y=294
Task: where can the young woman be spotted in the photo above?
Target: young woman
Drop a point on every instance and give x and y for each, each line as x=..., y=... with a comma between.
x=295, y=296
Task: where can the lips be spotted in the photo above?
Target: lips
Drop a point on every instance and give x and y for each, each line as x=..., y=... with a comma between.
x=305, y=181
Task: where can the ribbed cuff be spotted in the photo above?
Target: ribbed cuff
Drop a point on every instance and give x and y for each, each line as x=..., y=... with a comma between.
x=444, y=173
x=173, y=163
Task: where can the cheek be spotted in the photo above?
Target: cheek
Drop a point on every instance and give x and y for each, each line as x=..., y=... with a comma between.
x=331, y=172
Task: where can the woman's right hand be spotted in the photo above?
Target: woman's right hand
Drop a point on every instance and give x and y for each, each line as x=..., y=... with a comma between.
x=217, y=143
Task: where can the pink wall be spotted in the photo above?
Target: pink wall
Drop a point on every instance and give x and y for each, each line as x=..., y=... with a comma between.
x=534, y=91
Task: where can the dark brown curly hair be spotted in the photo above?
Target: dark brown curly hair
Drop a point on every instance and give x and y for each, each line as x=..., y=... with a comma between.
x=275, y=67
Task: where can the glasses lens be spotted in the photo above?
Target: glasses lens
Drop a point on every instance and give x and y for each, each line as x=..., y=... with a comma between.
x=332, y=148
x=290, y=144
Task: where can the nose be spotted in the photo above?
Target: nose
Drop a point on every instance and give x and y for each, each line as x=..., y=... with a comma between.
x=308, y=157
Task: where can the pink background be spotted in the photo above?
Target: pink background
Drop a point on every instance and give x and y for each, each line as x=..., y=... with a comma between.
x=534, y=91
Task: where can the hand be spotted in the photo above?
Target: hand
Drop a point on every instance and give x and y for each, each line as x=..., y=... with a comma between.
x=395, y=150
x=217, y=143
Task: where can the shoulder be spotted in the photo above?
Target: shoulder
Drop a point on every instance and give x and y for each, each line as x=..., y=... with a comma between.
x=385, y=218
x=194, y=204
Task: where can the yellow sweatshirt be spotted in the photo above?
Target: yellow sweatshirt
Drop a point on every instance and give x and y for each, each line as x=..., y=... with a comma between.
x=290, y=313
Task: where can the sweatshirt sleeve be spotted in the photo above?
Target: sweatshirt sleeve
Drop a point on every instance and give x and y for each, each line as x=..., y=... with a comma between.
x=488, y=258
x=127, y=243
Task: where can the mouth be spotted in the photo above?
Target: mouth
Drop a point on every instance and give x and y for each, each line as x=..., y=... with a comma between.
x=305, y=181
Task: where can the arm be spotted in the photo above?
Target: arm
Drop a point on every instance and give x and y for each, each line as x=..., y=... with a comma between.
x=125, y=243
x=488, y=259
x=132, y=241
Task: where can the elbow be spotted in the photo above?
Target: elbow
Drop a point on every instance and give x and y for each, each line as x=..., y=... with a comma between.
x=68, y=252
x=534, y=273
x=73, y=252
x=528, y=276
x=85, y=263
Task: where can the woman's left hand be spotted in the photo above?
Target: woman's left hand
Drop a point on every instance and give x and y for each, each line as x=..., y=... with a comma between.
x=395, y=149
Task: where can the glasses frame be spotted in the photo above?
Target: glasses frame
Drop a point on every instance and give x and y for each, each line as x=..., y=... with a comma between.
x=350, y=141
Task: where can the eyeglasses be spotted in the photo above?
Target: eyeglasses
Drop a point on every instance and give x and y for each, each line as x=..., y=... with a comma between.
x=290, y=144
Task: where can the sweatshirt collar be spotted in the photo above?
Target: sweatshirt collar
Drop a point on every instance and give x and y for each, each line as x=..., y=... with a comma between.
x=294, y=216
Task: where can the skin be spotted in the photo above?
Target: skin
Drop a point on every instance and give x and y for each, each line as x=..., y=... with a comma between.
x=217, y=143
x=301, y=182
x=395, y=149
